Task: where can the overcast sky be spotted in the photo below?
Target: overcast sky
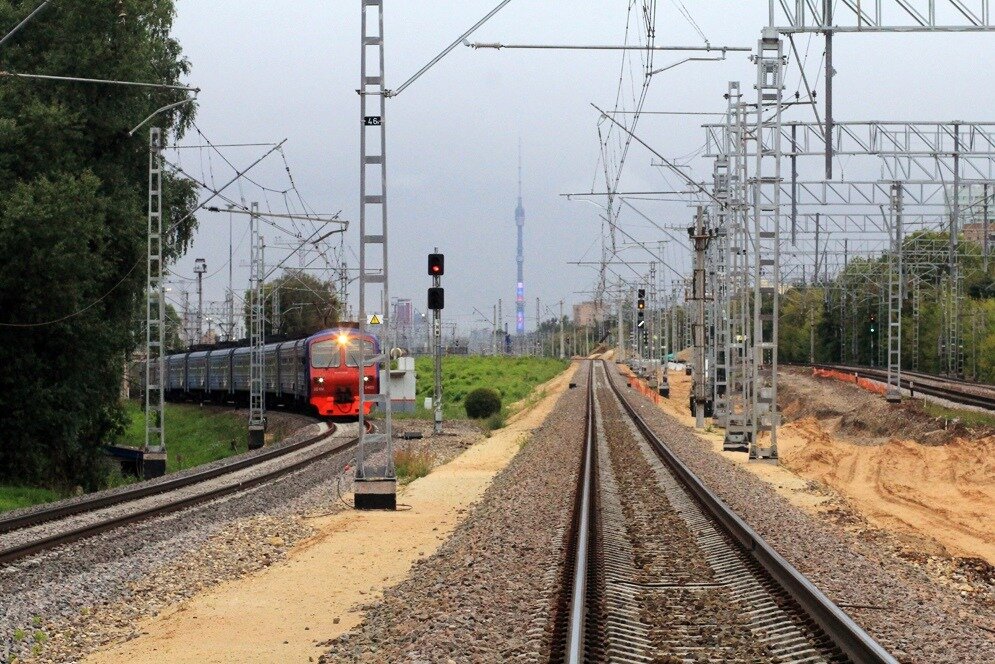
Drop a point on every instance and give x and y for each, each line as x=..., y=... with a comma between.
x=275, y=70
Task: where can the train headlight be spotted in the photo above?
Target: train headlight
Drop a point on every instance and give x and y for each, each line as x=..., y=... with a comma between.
x=320, y=380
x=343, y=339
x=366, y=379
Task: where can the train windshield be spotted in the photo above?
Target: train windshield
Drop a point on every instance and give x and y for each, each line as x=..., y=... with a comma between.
x=353, y=349
x=325, y=354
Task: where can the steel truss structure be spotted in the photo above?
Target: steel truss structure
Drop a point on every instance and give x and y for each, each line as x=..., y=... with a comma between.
x=155, y=306
x=376, y=480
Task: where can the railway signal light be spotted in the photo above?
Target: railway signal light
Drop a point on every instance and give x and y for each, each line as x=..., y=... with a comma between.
x=436, y=298
x=641, y=293
x=872, y=324
x=436, y=265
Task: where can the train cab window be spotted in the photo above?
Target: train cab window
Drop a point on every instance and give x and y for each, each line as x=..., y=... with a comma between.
x=325, y=354
x=352, y=353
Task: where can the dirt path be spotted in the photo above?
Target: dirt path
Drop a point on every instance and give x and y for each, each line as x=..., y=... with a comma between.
x=941, y=493
x=280, y=614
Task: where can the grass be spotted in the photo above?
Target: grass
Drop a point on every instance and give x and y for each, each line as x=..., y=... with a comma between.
x=968, y=418
x=196, y=435
x=513, y=377
x=13, y=497
x=412, y=462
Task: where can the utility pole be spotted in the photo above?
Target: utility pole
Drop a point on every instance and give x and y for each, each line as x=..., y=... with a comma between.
x=701, y=239
x=562, y=338
x=494, y=331
x=538, y=329
x=257, y=395
x=199, y=268
x=154, y=452
x=500, y=325
x=231, y=290
x=375, y=484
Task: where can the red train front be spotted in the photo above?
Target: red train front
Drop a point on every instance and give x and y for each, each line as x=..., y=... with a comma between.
x=333, y=371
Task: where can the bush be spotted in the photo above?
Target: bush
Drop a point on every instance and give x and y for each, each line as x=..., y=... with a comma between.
x=482, y=402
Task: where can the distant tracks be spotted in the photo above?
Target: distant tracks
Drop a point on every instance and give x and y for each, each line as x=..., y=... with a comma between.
x=639, y=601
x=173, y=492
x=951, y=389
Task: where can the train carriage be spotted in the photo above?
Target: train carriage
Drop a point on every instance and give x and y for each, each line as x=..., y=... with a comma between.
x=320, y=373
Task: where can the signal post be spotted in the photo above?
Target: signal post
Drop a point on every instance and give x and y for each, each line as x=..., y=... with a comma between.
x=436, y=303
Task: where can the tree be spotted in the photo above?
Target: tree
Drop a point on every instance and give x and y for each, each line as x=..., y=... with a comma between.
x=307, y=304
x=73, y=198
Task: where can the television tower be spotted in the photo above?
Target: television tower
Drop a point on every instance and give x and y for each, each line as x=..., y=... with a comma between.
x=520, y=286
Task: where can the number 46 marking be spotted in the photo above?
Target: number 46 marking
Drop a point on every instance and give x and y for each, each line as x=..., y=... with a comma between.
x=372, y=120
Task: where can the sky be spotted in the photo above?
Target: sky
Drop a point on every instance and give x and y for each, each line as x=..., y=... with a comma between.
x=279, y=70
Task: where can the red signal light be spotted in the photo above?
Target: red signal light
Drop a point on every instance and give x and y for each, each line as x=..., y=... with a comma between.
x=436, y=265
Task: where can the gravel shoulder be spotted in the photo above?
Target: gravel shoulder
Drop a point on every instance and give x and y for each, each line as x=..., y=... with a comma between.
x=896, y=596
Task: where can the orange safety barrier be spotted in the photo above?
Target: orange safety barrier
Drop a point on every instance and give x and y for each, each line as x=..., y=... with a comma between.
x=863, y=383
x=640, y=386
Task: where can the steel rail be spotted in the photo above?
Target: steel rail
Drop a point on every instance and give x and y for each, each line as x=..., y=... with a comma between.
x=56, y=512
x=16, y=552
x=577, y=621
x=834, y=622
x=949, y=393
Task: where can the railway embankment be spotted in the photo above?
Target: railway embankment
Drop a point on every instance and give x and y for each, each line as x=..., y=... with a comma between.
x=333, y=580
x=923, y=605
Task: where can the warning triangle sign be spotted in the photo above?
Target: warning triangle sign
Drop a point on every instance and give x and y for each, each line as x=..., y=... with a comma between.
x=374, y=319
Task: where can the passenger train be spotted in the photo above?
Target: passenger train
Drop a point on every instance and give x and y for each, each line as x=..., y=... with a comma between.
x=319, y=373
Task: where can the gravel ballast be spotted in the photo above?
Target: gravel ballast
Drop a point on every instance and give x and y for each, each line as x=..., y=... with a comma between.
x=902, y=607
x=487, y=595
x=67, y=603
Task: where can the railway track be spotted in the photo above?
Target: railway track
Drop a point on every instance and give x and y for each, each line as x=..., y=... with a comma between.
x=55, y=526
x=662, y=570
x=950, y=389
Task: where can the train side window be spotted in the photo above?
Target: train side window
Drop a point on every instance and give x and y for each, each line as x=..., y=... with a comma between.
x=325, y=354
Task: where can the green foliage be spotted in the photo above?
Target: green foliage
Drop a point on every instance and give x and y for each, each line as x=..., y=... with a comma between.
x=512, y=377
x=197, y=435
x=14, y=497
x=73, y=203
x=482, y=402
x=835, y=321
x=307, y=304
x=412, y=462
x=19, y=634
x=969, y=418
x=496, y=421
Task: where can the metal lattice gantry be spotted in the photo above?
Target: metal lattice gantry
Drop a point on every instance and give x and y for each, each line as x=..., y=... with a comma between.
x=155, y=317
x=767, y=155
x=376, y=482
x=803, y=16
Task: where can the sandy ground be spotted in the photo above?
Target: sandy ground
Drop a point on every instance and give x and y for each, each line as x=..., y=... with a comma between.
x=282, y=613
x=943, y=494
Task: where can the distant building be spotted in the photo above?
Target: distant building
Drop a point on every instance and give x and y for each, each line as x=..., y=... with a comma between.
x=976, y=233
x=588, y=313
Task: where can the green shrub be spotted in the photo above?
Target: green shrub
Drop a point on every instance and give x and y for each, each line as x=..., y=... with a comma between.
x=482, y=402
x=495, y=421
x=410, y=463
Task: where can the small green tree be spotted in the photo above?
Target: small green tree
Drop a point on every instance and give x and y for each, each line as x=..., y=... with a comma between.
x=307, y=304
x=482, y=402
